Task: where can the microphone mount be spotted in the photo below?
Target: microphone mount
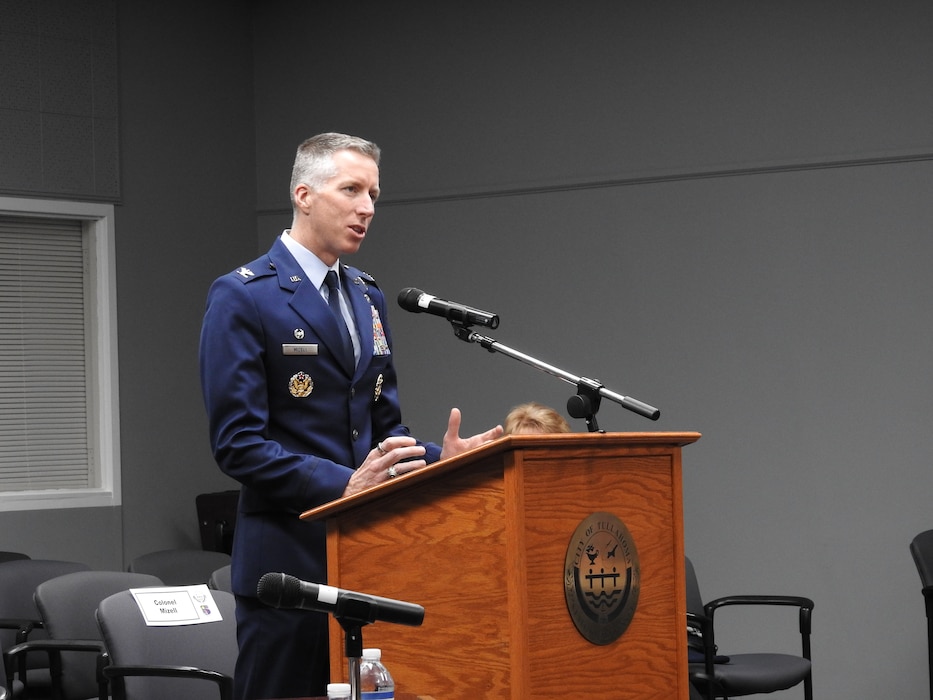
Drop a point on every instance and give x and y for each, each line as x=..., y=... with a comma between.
x=585, y=403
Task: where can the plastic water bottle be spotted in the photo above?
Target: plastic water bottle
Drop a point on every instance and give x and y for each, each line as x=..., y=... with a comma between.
x=338, y=691
x=375, y=680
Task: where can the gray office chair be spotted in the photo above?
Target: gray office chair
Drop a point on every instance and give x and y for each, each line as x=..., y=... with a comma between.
x=921, y=548
x=68, y=607
x=733, y=675
x=220, y=580
x=20, y=618
x=11, y=688
x=180, y=567
x=177, y=662
x=13, y=556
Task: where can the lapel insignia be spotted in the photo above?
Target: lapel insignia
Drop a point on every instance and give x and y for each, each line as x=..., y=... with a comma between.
x=245, y=273
x=294, y=278
x=299, y=333
x=300, y=385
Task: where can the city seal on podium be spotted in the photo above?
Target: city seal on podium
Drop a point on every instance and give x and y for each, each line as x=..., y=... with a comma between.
x=602, y=578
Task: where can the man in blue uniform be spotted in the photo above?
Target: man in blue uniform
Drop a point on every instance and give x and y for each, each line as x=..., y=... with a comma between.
x=300, y=389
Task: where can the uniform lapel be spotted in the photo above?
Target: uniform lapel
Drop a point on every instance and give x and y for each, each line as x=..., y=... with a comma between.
x=306, y=300
x=363, y=315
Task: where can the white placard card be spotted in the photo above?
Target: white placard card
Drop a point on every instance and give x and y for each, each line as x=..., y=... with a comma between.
x=176, y=605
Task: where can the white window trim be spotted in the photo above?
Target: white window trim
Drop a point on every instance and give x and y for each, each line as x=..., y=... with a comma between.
x=104, y=416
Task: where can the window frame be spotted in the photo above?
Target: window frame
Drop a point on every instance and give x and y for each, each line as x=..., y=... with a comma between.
x=103, y=387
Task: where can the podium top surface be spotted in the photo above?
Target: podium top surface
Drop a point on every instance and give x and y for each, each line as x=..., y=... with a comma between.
x=504, y=444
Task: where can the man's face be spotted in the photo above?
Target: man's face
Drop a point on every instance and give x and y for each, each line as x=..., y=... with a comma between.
x=338, y=214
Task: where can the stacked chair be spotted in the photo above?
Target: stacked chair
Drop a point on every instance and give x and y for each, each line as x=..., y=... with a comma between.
x=20, y=619
x=190, y=662
x=221, y=580
x=728, y=674
x=180, y=567
x=70, y=633
x=921, y=549
x=68, y=605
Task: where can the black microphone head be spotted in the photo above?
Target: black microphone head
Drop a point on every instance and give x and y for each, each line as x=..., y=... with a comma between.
x=279, y=590
x=408, y=299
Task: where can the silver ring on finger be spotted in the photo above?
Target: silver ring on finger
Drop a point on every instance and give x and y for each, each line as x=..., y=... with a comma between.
x=392, y=472
x=379, y=447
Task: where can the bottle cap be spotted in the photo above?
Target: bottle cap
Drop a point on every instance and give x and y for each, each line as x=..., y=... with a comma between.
x=372, y=654
x=338, y=690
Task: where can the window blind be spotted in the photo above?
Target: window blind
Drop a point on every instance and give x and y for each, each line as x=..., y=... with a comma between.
x=43, y=355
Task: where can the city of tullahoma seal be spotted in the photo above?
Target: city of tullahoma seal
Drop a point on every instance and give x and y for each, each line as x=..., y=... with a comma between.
x=601, y=578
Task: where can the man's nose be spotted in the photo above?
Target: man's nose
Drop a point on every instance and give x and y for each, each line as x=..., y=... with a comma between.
x=367, y=205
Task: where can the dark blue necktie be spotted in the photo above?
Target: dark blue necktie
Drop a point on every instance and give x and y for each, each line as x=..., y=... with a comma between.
x=333, y=300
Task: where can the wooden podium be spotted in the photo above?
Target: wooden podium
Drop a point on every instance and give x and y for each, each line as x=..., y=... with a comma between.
x=480, y=541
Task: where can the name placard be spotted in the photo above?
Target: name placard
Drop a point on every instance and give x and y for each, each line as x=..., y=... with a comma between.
x=176, y=605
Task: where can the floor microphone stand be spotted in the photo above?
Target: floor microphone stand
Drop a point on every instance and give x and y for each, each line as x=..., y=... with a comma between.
x=585, y=403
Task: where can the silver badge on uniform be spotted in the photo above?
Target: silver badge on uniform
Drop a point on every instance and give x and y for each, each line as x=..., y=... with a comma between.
x=299, y=348
x=378, y=391
x=299, y=333
x=245, y=272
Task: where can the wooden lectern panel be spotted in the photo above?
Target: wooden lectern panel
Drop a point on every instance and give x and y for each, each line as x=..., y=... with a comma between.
x=480, y=541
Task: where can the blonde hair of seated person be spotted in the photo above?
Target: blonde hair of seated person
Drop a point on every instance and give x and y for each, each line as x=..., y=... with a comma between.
x=533, y=418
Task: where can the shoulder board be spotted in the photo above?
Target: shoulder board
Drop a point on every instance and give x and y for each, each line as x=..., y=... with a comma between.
x=255, y=269
x=352, y=273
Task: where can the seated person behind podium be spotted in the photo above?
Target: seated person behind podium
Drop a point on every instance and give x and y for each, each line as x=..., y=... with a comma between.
x=534, y=418
x=302, y=412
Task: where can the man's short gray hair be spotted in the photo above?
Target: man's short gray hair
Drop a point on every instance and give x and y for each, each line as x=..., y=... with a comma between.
x=314, y=162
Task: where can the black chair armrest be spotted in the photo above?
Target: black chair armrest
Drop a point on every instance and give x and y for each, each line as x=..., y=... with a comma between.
x=56, y=645
x=118, y=673
x=52, y=647
x=791, y=600
x=805, y=606
x=23, y=626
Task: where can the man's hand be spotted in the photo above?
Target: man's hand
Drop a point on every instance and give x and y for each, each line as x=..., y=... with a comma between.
x=454, y=444
x=382, y=463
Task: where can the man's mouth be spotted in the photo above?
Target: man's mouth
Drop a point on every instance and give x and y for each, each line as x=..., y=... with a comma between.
x=361, y=230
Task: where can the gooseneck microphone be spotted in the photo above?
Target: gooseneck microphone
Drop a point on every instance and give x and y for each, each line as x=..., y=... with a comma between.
x=416, y=301
x=283, y=591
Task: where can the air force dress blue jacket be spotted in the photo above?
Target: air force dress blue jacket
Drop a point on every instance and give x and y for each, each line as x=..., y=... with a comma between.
x=288, y=419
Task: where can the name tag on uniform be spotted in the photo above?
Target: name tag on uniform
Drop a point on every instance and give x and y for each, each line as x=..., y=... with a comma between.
x=299, y=348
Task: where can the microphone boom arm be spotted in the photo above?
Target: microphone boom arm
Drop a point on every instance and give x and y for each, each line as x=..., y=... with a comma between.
x=589, y=391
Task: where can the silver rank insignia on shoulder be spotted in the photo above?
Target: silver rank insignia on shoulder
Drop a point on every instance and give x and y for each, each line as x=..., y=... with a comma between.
x=300, y=385
x=299, y=333
x=378, y=390
x=245, y=272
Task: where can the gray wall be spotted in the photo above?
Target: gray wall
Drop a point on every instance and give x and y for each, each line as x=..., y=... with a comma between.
x=719, y=208
x=722, y=209
x=186, y=214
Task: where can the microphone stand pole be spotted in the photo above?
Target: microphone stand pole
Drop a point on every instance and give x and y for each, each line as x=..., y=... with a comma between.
x=353, y=650
x=352, y=614
x=585, y=403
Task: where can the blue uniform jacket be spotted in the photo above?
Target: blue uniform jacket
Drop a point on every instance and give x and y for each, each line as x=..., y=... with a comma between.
x=286, y=418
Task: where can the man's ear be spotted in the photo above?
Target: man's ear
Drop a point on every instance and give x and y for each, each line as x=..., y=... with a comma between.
x=301, y=198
